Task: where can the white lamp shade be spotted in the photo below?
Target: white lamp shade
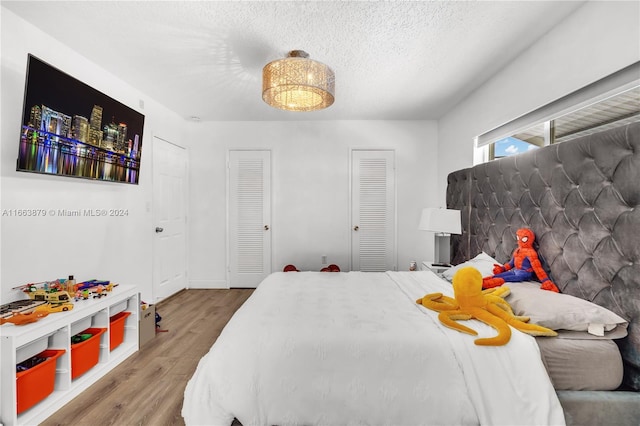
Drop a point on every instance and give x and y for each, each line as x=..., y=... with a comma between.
x=440, y=220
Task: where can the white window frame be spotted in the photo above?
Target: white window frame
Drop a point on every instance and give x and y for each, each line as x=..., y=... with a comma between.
x=604, y=88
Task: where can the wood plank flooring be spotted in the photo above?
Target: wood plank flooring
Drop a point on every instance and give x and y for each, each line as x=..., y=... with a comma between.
x=148, y=387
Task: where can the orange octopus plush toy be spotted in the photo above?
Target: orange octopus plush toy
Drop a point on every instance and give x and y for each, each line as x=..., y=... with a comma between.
x=523, y=264
x=470, y=301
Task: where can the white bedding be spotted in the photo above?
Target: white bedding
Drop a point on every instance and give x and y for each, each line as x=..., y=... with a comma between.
x=311, y=348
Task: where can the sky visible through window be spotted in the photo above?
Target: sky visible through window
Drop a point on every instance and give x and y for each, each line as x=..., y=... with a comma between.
x=511, y=146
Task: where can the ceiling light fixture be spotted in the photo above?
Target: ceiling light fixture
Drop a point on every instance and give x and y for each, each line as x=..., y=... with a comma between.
x=297, y=83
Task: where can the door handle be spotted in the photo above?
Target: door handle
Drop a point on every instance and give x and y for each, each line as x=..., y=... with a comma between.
x=158, y=229
x=355, y=228
x=266, y=227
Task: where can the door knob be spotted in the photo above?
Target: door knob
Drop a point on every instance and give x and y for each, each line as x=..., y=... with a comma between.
x=158, y=229
x=355, y=228
x=266, y=227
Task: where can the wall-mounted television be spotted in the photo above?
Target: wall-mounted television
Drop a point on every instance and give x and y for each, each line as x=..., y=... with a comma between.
x=71, y=129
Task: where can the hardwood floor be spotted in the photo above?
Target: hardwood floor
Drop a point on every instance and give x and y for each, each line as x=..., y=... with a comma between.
x=147, y=388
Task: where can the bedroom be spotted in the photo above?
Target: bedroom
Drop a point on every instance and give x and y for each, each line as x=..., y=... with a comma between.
x=61, y=251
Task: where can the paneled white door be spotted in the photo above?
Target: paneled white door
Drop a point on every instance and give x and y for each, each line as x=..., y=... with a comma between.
x=249, y=211
x=169, y=207
x=373, y=211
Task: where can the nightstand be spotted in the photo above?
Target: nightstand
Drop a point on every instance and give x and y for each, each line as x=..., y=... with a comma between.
x=428, y=266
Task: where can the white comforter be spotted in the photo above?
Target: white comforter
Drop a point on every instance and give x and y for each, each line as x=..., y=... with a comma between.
x=354, y=348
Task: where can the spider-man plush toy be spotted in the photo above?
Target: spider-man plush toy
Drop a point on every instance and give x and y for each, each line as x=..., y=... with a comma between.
x=523, y=264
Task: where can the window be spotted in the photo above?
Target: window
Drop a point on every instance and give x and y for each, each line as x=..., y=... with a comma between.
x=610, y=102
x=527, y=140
x=620, y=109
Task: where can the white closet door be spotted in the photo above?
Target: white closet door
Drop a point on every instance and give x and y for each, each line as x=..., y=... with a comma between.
x=373, y=207
x=249, y=217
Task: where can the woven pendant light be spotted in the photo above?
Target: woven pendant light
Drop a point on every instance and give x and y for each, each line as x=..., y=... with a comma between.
x=297, y=83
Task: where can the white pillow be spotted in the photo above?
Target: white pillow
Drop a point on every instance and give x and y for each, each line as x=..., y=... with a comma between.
x=482, y=262
x=559, y=311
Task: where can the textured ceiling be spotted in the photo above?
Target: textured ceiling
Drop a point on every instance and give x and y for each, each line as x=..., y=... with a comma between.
x=392, y=60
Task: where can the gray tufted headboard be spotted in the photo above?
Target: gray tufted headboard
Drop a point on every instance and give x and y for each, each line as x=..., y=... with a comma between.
x=581, y=199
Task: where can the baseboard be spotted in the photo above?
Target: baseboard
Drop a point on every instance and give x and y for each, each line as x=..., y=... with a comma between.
x=208, y=284
x=160, y=302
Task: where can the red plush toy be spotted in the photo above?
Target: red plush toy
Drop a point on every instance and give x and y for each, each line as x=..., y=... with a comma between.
x=523, y=264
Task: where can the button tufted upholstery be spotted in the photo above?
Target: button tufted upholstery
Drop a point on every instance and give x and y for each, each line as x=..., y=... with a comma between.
x=581, y=199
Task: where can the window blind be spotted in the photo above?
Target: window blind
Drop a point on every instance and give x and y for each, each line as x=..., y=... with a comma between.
x=608, y=86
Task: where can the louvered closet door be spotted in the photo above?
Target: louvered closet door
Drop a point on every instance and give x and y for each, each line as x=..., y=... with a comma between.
x=373, y=221
x=249, y=217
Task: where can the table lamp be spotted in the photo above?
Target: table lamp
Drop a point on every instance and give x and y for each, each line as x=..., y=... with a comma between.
x=443, y=222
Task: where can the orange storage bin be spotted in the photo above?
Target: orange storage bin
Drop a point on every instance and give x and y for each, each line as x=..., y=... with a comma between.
x=35, y=384
x=85, y=355
x=116, y=329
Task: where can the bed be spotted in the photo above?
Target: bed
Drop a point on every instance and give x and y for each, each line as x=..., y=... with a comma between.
x=354, y=348
x=581, y=199
x=311, y=348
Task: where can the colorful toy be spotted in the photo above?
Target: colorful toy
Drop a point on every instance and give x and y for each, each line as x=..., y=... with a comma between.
x=331, y=268
x=93, y=283
x=51, y=291
x=55, y=286
x=487, y=306
x=523, y=264
x=82, y=294
x=79, y=338
x=19, y=318
x=50, y=308
x=99, y=291
x=58, y=297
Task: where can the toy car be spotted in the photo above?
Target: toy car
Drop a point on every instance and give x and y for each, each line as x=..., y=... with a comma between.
x=58, y=297
x=54, y=307
x=99, y=291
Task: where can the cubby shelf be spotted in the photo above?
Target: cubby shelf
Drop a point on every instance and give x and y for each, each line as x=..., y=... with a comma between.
x=18, y=343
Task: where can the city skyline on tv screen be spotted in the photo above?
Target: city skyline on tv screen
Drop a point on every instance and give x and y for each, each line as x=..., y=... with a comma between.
x=71, y=129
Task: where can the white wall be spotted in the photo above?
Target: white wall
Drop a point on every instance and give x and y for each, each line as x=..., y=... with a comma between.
x=597, y=40
x=310, y=189
x=310, y=162
x=46, y=248
x=310, y=168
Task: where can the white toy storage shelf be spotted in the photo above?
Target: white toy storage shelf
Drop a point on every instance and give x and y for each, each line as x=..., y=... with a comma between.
x=19, y=343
